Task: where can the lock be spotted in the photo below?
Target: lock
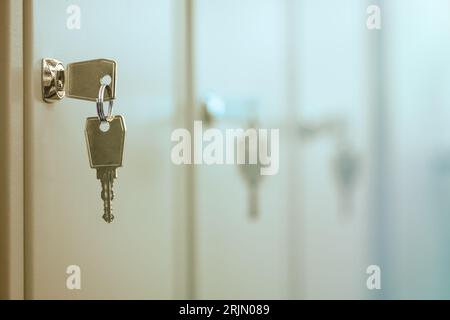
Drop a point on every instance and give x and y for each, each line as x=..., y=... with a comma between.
x=79, y=80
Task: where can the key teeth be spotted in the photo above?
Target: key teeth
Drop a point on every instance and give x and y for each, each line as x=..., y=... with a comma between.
x=108, y=218
x=107, y=176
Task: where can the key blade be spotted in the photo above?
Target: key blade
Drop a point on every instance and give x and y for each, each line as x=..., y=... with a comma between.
x=107, y=176
x=105, y=149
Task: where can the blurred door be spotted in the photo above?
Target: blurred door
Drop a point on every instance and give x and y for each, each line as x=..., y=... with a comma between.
x=136, y=256
x=416, y=58
x=240, y=51
x=333, y=110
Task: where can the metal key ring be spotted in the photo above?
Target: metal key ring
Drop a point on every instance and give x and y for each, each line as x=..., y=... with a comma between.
x=100, y=99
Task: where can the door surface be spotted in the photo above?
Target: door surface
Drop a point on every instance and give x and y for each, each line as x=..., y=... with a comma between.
x=240, y=50
x=334, y=110
x=416, y=217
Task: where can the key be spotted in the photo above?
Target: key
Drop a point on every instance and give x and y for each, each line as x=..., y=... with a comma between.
x=251, y=173
x=105, y=150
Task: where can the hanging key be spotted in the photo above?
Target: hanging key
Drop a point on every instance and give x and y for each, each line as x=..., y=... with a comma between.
x=105, y=149
x=251, y=173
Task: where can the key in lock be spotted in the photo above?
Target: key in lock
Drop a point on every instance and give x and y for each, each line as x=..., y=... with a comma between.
x=105, y=150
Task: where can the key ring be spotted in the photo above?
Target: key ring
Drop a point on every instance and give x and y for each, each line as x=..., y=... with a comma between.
x=100, y=109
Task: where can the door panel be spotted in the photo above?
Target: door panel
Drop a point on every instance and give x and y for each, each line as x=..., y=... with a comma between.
x=133, y=257
x=416, y=219
x=240, y=49
x=333, y=109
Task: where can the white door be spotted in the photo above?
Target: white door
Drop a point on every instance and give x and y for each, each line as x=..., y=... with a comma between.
x=240, y=49
x=333, y=99
x=137, y=256
x=415, y=219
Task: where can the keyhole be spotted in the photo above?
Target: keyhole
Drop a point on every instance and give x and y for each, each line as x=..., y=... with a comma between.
x=60, y=80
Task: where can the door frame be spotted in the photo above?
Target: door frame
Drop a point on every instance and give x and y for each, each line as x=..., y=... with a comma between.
x=12, y=151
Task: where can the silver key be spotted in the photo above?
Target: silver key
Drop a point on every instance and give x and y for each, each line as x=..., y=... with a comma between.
x=105, y=149
x=251, y=172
